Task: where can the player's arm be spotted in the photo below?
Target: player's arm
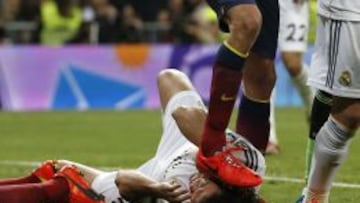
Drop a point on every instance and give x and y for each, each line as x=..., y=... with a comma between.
x=134, y=186
x=190, y=121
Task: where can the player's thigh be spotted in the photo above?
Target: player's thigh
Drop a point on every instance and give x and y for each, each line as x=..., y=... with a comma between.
x=266, y=43
x=294, y=26
x=221, y=8
x=335, y=62
x=172, y=138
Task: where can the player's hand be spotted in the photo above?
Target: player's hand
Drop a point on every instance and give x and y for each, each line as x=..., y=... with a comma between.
x=172, y=192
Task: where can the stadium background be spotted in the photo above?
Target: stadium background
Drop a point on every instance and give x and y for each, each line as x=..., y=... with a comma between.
x=92, y=98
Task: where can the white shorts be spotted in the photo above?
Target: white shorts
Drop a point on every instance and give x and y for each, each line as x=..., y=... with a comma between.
x=335, y=65
x=294, y=26
x=172, y=142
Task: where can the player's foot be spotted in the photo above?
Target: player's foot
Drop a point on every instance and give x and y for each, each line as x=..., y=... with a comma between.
x=46, y=170
x=227, y=168
x=312, y=197
x=272, y=148
x=300, y=199
x=80, y=190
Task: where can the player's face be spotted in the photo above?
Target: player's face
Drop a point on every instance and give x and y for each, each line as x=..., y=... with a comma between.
x=202, y=189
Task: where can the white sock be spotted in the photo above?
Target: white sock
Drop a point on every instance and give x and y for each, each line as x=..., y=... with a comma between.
x=311, y=196
x=273, y=137
x=305, y=91
x=330, y=151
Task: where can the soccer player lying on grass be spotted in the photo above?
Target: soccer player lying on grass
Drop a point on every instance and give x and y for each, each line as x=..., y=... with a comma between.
x=170, y=176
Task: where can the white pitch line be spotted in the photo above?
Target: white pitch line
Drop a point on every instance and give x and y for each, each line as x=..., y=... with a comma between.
x=267, y=178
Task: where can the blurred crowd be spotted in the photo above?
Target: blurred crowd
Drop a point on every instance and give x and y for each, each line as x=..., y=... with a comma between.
x=59, y=22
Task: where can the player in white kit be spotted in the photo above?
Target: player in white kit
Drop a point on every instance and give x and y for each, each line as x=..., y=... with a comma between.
x=335, y=69
x=293, y=40
x=174, y=161
x=170, y=176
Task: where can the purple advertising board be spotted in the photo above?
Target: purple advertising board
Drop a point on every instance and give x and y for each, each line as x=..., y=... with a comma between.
x=97, y=77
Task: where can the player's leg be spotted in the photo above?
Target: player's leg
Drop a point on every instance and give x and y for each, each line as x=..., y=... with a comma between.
x=319, y=114
x=335, y=71
x=298, y=72
x=45, y=171
x=175, y=90
x=54, y=190
x=272, y=147
x=331, y=147
x=243, y=20
x=102, y=183
x=68, y=185
x=89, y=173
x=254, y=108
x=170, y=82
x=293, y=35
x=293, y=32
x=259, y=79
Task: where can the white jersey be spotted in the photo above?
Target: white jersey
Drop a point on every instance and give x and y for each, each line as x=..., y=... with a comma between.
x=347, y=10
x=175, y=156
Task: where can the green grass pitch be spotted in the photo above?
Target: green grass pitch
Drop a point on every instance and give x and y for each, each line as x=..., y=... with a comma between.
x=128, y=138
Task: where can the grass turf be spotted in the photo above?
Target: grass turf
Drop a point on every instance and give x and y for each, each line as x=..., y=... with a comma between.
x=128, y=138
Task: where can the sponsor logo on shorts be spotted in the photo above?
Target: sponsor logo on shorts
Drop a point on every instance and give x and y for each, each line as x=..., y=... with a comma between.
x=345, y=78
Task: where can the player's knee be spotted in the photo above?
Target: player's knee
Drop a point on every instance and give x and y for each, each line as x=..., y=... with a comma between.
x=352, y=121
x=246, y=23
x=293, y=67
x=347, y=111
x=331, y=145
x=167, y=77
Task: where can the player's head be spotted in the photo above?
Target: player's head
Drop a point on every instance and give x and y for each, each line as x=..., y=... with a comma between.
x=204, y=190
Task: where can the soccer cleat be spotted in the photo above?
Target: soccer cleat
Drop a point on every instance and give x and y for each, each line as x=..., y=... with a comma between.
x=80, y=190
x=227, y=168
x=302, y=197
x=46, y=170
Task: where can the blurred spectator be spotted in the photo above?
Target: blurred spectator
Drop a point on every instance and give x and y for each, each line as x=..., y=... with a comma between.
x=208, y=30
x=108, y=19
x=58, y=22
x=131, y=25
x=61, y=21
x=147, y=11
x=163, y=21
x=183, y=27
x=10, y=10
x=29, y=10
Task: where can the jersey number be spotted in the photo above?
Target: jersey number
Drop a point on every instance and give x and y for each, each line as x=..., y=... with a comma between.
x=297, y=33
